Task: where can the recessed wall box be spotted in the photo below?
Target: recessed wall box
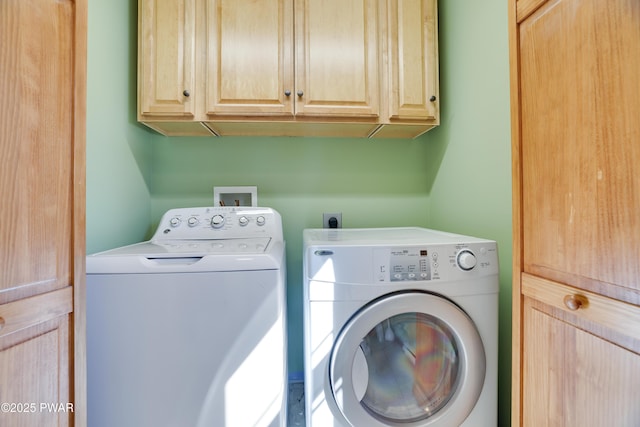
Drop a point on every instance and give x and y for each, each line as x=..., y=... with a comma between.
x=235, y=196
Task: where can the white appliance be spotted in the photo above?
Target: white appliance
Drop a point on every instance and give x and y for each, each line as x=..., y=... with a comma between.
x=401, y=328
x=188, y=329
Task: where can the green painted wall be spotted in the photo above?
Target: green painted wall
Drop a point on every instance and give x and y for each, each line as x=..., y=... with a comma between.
x=118, y=148
x=471, y=190
x=455, y=178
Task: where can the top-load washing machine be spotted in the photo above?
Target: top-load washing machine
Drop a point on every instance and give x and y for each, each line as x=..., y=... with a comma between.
x=401, y=328
x=188, y=329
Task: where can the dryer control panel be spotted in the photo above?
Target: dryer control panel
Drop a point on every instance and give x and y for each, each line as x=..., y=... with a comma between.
x=438, y=262
x=227, y=222
x=400, y=256
x=409, y=264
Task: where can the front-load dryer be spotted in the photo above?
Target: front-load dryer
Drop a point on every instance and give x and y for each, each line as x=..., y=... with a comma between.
x=401, y=328
x=188, y=329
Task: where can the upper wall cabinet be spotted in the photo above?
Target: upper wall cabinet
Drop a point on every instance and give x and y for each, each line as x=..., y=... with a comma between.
x=166, y=67
x=410, y=87
x=252, y=56
x=361, y=68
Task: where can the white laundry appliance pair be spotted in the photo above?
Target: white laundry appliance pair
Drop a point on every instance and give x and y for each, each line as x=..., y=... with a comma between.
x=188, y=329
x=401, y=328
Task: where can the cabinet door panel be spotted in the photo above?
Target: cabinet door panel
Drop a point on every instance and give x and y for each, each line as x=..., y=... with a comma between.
x=250, y=62
x=337, y=58
x=574, y=378
x=166, y=55
x=37, y=361
x=36, y=146
x=413, y=59
x=580, y=150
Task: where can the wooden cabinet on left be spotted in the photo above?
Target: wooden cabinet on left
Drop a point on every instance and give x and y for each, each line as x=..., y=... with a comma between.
x=42, y=232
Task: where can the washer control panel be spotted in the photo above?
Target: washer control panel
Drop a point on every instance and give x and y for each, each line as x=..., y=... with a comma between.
x=219, y=223
x=440, y=262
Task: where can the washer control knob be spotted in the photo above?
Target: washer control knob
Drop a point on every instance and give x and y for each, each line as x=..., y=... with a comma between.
x=466, y=260
x=175, y=221
x=192, y=221
x=243, y=221
x=260, y=220
x=217, y=221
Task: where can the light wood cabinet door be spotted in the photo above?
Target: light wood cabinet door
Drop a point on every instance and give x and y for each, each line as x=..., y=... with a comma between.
x=410, y=84
x=249, y=57
x=166, y=58
x=579, y=366
x=580, y=118
x=413, y=60
x=337, y=58
x=42, y=182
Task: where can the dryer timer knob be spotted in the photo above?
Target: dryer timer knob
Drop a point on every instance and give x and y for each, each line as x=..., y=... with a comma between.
x=466, y=260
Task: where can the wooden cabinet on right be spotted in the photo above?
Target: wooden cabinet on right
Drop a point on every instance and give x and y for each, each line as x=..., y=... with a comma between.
x=576, y=146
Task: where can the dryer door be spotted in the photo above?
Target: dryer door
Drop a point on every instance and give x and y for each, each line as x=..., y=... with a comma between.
x=407, y=359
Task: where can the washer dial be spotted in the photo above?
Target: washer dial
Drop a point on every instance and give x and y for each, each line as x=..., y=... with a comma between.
x=217, y=221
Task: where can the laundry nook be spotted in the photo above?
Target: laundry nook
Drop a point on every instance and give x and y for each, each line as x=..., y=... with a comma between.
x=319, y=213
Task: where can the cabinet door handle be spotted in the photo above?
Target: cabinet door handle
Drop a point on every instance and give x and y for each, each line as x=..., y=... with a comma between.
x=300, y=93
x=287, y=92
x=433, y=98
x=186, y=93
x=574, y=302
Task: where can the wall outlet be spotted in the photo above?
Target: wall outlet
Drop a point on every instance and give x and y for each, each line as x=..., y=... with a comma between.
x=327, y=220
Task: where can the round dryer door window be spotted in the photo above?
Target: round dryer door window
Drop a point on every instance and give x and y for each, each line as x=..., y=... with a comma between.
x=410, y=359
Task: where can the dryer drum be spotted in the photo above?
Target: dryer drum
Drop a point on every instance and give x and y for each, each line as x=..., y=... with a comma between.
x=410, y=358
x=413, y=367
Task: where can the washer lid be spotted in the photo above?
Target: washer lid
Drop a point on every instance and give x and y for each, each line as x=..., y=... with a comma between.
x=410, y=359
x=189, y=256
x=191, y=248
